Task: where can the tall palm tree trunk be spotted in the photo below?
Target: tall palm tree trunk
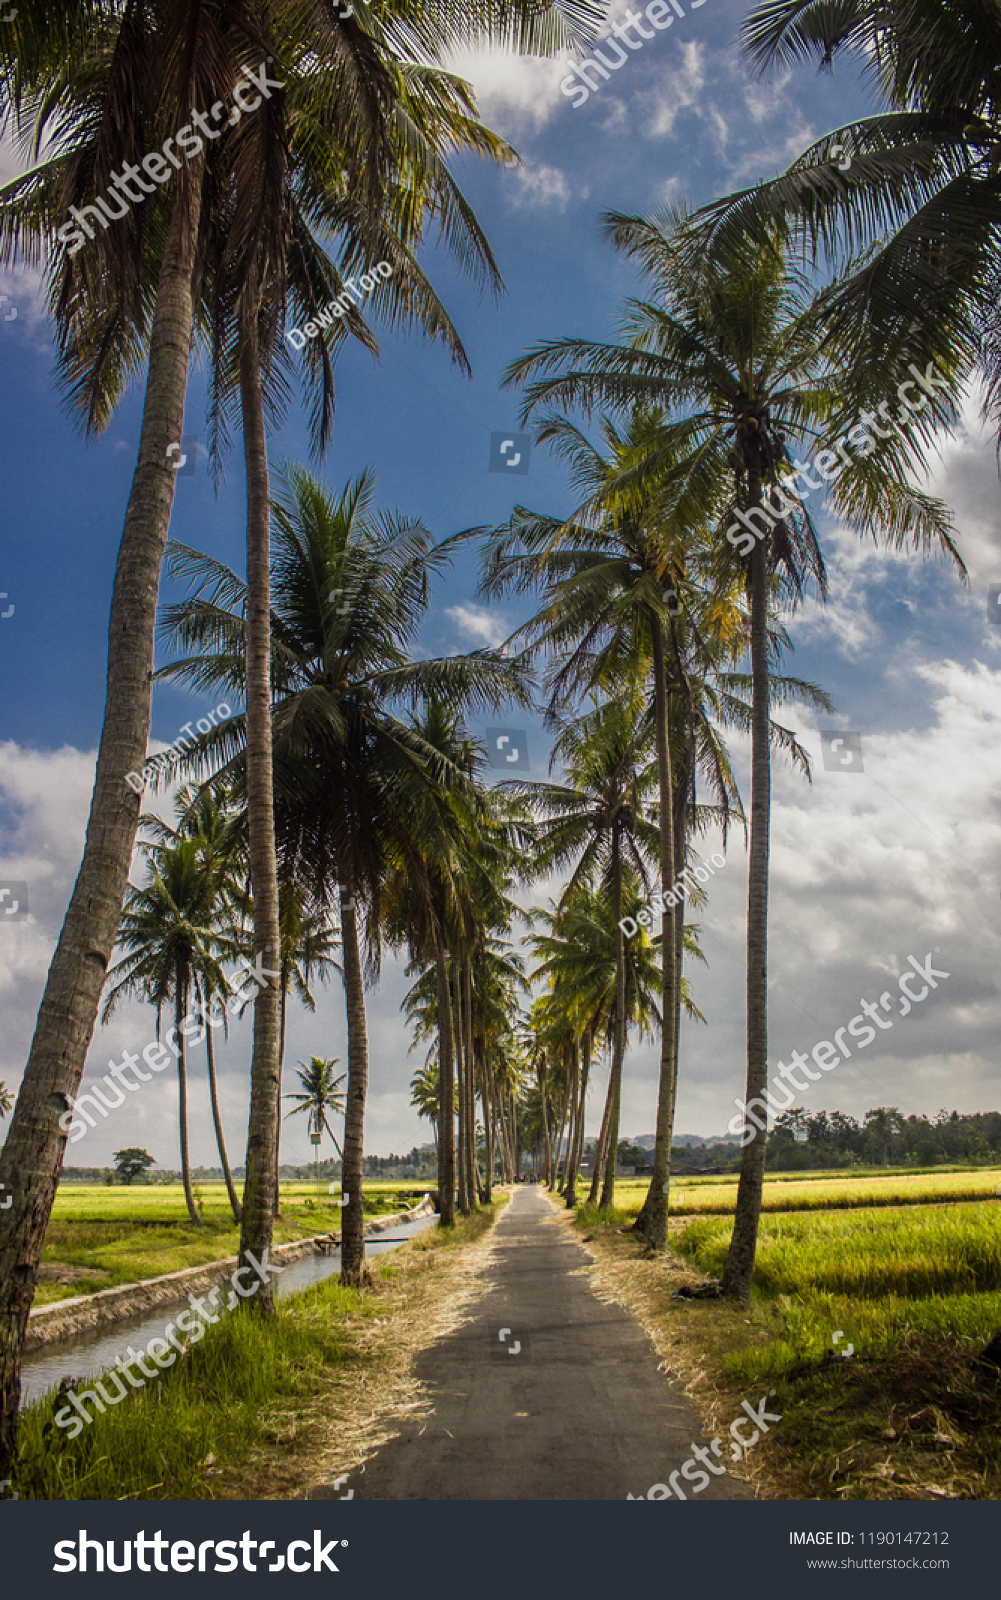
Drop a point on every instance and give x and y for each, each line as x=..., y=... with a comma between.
x=180, y=1012
x=33, y=1152
x=619, y=1048
x=217, y=1119
x=578, y=1148
x=543, y=1075
x=283, y=1004
x=566, y=1146
x=602, y=1144
x=559, y=1144
x=257, y=1228
x=460, y=1080
x=353, y=1221
x=486, y=1096
x=446, y=1086
x=654, y=1222
x=740, y=1258
x=473, y=1178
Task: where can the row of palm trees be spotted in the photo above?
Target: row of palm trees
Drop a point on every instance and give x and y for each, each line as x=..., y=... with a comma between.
x=343, y=166
x=350, y=767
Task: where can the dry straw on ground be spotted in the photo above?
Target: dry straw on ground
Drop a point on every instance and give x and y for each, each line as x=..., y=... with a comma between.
x=418, y=1294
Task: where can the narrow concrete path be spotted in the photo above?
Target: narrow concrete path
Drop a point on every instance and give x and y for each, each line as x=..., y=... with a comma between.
x=548, y=1394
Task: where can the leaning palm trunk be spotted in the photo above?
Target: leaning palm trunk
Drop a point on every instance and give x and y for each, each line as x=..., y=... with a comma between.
x=33, y=1153
x=740, y=1259
x=353, y=1223
x=257, y=1227
x=446, y=1087
x=654, y=1220
x=217, y=1119
x=180, y=1012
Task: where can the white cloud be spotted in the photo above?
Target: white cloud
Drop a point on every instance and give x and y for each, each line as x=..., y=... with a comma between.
x=483, y=627
x=677, y=90
x=541, y=186
x=514, y=93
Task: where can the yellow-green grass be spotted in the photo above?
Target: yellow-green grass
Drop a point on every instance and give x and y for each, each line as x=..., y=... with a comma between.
x=246, y=1413
x=821, y=1191
x=99, y=1237
x=914, y=1294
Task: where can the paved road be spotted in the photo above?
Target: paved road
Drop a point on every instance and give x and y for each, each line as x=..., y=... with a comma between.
x=578, y=1412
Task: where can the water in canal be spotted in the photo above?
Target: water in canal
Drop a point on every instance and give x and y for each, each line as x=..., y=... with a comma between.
x=95, y=1350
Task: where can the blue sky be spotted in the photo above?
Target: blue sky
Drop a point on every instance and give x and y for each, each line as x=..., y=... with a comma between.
x=867, y=868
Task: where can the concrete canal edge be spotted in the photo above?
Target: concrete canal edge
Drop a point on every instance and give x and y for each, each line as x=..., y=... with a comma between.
x=65, y=1319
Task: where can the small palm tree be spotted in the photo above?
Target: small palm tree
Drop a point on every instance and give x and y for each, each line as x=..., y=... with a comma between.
x=174, y=931
x=210, y=818
x=321, y=1094
x=424, y=1087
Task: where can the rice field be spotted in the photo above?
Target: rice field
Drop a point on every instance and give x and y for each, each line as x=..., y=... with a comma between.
x=822, y=1191
x=99, y=1237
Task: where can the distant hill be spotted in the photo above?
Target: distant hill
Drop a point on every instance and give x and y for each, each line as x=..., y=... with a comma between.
x=646, y=1141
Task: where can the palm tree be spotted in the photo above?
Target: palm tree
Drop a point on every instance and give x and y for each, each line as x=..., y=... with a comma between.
x=742, y=349
x=321, y=1094
x=424, y=1091
x=910, y=223
x=595, y=819
x=577, y=957
x=209, y=819
x=173, y=931
x=350, y=591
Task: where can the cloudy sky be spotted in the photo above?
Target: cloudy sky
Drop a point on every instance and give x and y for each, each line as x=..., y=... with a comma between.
x=868, y=868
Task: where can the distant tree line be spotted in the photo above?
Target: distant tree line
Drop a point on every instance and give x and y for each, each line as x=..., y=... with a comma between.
x=885, y=1137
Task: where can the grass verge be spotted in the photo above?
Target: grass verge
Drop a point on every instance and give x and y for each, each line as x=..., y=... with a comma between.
x=910, y=1415
x=257, y=1408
